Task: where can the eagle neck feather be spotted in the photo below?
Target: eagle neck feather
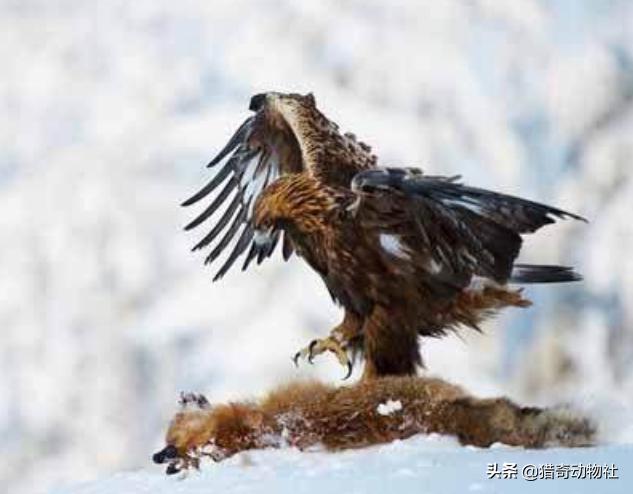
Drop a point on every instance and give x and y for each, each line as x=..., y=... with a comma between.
x=328, y=155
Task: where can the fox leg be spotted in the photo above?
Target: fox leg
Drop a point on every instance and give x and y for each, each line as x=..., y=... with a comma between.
x=339, y=342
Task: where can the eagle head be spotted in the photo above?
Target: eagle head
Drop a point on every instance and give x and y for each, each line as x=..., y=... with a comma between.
x=282, y=101
x=292, y=113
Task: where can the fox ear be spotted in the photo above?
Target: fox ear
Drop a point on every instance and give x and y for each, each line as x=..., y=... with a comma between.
x=310, y=99
x=193, y=400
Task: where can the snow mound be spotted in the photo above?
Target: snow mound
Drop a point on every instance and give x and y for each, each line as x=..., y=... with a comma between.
x=430, y=464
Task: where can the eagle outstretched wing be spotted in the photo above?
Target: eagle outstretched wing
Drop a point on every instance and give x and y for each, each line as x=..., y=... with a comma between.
x=260, y=151
x=460, y=231
x=287, y=134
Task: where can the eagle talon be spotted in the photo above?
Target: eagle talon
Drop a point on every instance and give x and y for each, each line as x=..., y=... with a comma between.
x=330, y=344
x=311, y=354
x=349, y=371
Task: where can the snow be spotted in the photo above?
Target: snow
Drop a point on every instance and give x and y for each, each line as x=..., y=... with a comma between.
x=421, y=464
x=109, y=112
x=389, y=407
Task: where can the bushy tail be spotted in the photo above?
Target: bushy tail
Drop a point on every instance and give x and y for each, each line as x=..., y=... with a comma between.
x=534, y=273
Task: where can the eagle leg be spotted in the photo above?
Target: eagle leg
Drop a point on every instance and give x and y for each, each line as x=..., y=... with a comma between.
x=390, y=345
x=339, y=342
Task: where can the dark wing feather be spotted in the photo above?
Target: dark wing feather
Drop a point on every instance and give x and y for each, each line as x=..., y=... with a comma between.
x=245, y=239
x=220, y=225
x=287, y=247
x=213, y=207
x=463, y=231
x=210, y=187
x=258, y=153
x=228, y=236
x=520, y=215
x=240, y=134
x=252, y=254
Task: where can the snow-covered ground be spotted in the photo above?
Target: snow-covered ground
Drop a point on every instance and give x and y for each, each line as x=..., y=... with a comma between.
x=433, y=465
x=110, y=109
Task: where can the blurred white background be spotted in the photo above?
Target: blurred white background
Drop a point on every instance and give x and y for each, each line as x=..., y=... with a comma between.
x=109, y=111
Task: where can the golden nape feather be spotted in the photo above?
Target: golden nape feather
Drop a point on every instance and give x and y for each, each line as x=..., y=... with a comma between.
x=406, y=254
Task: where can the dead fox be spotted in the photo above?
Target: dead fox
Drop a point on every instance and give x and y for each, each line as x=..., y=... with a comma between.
x=305, y=414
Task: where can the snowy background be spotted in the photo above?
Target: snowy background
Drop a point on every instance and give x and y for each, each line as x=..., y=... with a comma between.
x=109, y=111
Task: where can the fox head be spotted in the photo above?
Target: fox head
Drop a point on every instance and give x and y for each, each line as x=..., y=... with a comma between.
x=202, y=430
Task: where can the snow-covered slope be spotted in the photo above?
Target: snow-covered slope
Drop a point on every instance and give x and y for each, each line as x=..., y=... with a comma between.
x=432, y=465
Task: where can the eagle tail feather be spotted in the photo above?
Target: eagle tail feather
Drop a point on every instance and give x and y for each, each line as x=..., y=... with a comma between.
x=535, y=273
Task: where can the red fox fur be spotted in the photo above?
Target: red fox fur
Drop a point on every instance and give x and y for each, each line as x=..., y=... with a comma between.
x=305, y=414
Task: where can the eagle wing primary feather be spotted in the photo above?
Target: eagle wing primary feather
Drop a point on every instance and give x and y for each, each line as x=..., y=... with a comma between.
x=259, y=152
x=286, y=134
x=463, y=231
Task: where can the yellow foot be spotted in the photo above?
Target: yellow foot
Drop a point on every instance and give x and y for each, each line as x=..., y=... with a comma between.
x=329, y=344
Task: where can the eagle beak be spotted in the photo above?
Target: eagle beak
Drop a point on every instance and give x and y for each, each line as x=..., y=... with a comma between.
x=263, y=238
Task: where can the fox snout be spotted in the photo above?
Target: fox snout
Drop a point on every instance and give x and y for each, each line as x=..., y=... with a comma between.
x=169, y=452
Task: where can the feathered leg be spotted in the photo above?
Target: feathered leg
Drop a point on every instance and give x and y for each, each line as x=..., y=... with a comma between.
x=390, y=348
x=340, y=342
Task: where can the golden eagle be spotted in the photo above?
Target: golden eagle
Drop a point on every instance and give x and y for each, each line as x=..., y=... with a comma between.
x=406, y=254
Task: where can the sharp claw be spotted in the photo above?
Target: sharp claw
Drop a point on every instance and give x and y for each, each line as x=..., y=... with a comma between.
x=349, y=371
x=329, y=344
x=313, y=343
